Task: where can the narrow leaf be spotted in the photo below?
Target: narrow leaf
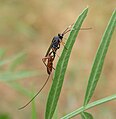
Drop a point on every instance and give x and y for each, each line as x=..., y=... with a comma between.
x=17, y=61
x=99, y=59
x=34, y=111
x=20, y=88
x=2, y=53
x=8, y=60
x=86, y=115
x=61, y=68
x=9, y=75
x=55, y=116
x=88, y=106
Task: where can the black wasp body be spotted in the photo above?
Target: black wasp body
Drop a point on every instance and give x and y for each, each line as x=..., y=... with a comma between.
x=55, y=45
x=56, y=41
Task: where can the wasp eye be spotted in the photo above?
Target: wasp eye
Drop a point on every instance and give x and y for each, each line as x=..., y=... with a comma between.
x=59, y=34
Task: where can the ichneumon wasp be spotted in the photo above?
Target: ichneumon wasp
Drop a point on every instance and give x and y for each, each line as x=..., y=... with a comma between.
x=50, y=56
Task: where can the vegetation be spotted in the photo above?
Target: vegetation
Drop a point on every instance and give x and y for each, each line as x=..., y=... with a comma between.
x=12, y=69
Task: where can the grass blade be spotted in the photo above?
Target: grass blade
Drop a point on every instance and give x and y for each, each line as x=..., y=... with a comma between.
x=17, y=61
x=99, y=59
x=2, y=53
x=86, y=115
x=34, y=111
x=88, y=106
x=18, y=87
x=9, y=75
x=61, y=68
x=11, y=59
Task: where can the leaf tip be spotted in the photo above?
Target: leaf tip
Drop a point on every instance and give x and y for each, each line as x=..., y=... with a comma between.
x=87, y=7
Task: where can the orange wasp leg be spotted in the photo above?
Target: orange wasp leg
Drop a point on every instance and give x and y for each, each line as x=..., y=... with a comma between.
x=44, y=61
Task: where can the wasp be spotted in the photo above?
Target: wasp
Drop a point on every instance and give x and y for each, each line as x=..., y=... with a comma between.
x=50, y=56
x=54, y=46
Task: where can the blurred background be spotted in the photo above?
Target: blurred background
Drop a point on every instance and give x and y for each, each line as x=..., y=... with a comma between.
x=26, y=30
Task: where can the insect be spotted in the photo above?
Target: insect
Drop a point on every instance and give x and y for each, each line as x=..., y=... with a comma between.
x=55, y=45
x=50, y=56
x=50, y=64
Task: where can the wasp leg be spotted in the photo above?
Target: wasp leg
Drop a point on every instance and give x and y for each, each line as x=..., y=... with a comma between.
x=46, y=57
x=44, y=60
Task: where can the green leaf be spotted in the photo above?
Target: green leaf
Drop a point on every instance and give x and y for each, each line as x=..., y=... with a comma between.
x=6, y=61
x=86, y=115
x=20, y=88
x=5, y=116
x=9, y=75
x=61, y=68
x=99, y=59
x=34, y=111
x=88, y=106
x=17, y=61
x=55, y=116
x=2, y=53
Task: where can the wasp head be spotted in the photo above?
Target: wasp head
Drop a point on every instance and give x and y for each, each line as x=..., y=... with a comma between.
x=60, y=36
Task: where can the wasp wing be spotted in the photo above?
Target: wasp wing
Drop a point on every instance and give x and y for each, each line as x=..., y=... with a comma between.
x=48, y=50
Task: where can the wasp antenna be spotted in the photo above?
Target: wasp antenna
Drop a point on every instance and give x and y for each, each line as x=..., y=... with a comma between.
x=67, y=29
x=35, y=95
